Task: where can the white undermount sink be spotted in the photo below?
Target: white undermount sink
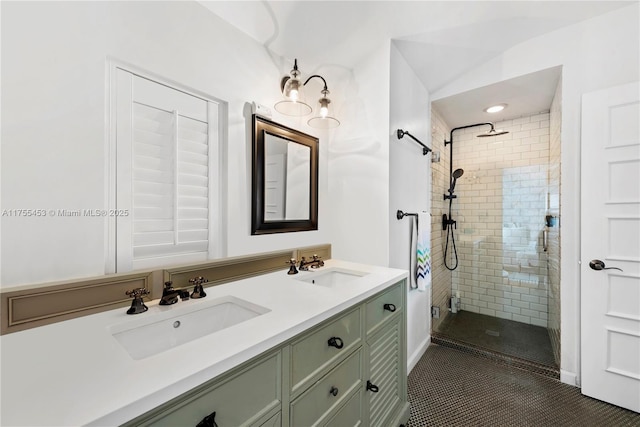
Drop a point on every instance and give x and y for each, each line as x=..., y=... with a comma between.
x=332, y=277
x=179, y=325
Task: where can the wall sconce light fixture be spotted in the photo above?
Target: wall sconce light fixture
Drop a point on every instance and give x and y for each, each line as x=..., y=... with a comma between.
x=294, y=105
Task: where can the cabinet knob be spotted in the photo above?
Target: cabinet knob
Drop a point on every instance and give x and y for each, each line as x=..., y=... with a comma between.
x=208, y=421
x=390, y=307
x=372, y=387
x=333, y=391
x=335, y=342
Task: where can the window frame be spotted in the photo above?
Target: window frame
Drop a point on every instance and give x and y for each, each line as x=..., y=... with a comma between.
x=217, y=140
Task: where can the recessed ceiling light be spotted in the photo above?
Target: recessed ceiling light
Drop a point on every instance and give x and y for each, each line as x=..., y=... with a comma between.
x=495, y=108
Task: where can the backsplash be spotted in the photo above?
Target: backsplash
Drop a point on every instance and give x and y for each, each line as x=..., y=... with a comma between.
x=38, y=305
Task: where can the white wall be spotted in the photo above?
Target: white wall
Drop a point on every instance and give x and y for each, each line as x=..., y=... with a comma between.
x=409, y=188
x=359, y=165
x=54, y=99
x=595, y=54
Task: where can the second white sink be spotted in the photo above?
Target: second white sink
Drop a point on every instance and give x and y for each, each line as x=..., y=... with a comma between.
x=333, y=277
x=180, y=325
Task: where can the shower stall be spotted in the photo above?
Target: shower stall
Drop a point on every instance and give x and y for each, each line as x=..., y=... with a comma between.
x=497, y=245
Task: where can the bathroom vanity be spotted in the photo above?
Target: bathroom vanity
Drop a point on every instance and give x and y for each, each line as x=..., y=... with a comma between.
x=323, y=347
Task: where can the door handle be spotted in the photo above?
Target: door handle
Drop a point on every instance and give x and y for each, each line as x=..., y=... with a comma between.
x=596, y=264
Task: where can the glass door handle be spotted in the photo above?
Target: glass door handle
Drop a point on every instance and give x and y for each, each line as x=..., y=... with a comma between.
x=596, y=264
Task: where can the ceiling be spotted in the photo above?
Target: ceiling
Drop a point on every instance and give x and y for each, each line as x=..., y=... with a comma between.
x=440, y=40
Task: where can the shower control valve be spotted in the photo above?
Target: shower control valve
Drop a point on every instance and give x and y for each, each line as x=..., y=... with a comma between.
x=446, y=222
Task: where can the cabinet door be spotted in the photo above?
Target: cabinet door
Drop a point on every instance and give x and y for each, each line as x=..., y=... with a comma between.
x=384, y=381
x=240, y=400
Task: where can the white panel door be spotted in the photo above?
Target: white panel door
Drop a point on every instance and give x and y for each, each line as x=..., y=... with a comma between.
x=610, y=246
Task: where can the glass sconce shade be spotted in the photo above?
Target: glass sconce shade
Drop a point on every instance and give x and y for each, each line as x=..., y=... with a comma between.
x=293, y=108
x=294, y=105
x=323, y=122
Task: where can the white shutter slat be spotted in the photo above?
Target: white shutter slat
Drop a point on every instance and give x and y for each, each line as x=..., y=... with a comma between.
x=152, y=238
x=193, y=202
x=194, y=191
x=193, y=224
x=193, y=147
x=194, y=213
x=193, y=235
x=192, y=169
x=192, y=136
x=188, y=157
x=153, y=225
x=152, y=176
x=157, y=188
x=193, y=180
x=151, y=163
x=153, y=213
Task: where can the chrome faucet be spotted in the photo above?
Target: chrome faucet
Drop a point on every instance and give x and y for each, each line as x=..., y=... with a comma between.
x=170, y=295
x=315, y=262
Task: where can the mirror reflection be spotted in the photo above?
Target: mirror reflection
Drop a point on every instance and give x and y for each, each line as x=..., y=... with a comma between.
x=285, y=179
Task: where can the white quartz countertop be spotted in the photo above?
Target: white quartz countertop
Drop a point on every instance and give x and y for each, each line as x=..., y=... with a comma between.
x=75, y=372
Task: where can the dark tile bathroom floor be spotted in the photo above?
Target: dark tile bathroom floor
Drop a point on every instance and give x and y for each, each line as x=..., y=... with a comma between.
x=453, y=388
x=511, y=338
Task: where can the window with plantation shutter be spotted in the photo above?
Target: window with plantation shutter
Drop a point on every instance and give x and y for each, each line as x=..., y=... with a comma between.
x=167, y=174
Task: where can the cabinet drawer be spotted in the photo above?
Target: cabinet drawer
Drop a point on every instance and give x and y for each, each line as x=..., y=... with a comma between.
x=350, y=415
x=312, y=353
x=327, y=394
x=238, y=401
x=384, y=306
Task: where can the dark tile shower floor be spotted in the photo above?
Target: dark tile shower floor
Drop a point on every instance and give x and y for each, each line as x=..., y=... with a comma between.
x=507, y=337
x=452, y=388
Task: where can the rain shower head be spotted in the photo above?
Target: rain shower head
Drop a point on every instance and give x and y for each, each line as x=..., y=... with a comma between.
x=454, y=177
x=492, y=132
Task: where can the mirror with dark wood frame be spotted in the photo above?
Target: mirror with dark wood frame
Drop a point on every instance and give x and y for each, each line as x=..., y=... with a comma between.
x=284, y=194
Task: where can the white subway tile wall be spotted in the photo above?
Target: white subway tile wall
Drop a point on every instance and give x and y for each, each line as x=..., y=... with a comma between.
x=500, y=209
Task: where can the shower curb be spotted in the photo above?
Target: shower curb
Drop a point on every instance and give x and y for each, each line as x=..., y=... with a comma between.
x=516, y=362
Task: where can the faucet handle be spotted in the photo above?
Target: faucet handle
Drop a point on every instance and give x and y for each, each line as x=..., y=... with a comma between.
x=318, y=261
x=198, y=290
x=168, y=286
x=137, y=293
x=137, y=305
x=292, y=266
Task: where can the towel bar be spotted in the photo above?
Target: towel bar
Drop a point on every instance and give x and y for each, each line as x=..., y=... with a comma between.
x=400, y=214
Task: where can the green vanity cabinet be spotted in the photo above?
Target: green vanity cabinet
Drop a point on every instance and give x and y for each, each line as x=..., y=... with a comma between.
x=349, y=370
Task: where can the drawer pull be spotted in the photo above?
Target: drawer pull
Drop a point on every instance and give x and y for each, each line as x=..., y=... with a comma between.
x=335, y=342
x=333, y=391
x=390, y=307
x=371, y=387
x=208, y=421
